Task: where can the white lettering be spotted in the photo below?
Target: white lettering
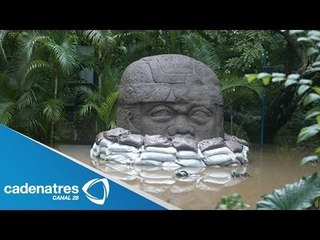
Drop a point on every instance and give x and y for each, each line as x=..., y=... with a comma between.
x=41, y=189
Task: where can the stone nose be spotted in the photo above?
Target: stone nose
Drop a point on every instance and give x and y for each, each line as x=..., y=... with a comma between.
x=181, y=126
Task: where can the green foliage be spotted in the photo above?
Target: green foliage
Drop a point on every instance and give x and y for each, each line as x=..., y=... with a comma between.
x=308, y=132
x=232, y=202
x=297, y=196
x=309, y=159
x=101, y=101
x=309, y=94
x=306, y=192
x=199, y=48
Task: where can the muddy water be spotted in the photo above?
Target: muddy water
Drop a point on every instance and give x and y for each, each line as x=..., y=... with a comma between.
x=202, y=188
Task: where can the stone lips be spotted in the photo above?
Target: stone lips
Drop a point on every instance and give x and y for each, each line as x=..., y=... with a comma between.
x=119, y=145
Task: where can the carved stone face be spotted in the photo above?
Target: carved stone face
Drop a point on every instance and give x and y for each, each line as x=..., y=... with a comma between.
x=171, y=95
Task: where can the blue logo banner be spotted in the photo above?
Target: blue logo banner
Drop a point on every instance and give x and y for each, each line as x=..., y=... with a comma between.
x=36, y=177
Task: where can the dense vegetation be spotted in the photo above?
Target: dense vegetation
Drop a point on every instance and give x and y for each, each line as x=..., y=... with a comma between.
x=61, y=86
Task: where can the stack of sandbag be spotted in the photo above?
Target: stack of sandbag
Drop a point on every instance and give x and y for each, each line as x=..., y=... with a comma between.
x=109, y=146
x=237, y=149
x=187, y=152
x=157, y=151
x=215, y=152
x=119, y=145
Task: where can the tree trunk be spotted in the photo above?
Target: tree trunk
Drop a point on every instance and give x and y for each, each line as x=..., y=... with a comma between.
x=52, y=123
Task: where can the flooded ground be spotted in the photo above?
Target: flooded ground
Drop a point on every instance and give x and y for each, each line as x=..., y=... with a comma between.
x=202, y=188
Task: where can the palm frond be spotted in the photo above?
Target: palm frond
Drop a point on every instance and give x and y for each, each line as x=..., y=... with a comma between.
x=86, y=109
x=29, y=40
x=7, y=110
x=106, y=107
x=53, y=110
x=199, y=48
x=36, y=65
x=27, y=98
x=99, y=38
x=235, y=89
x=2, y=51
x=9, y=89
x=65, y=54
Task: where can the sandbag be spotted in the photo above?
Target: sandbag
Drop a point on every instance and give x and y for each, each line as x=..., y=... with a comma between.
x=212, y=143
x=169, y=150
x=135, y=140
x=105, y=143
x=217, y=151
x=162, y=157
x=119, y=159
x=182, y=143
x=115, y=133
x=190, y=163
x=105, y=150
x=131, y=155
x=147, y=162
x=220, y=159
x=228, y=137
x=122, y=148
x=156, y=141
x=188, y=155
x=234, y=146
x=99, y=137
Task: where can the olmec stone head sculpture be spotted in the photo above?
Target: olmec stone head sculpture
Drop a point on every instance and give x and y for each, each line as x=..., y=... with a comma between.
x=170, y=114
x=171, y=95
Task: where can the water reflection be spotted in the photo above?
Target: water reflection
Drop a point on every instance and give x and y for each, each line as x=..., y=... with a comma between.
x=157, y=179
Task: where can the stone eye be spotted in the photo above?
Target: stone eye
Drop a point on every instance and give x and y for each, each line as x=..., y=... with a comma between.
x=161, y=114
x=200, y=115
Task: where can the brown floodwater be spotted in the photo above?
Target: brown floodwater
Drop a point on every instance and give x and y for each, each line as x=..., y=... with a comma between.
x=202, y=188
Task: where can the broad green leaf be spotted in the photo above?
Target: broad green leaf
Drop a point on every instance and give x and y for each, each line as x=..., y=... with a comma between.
x=318, y=119
x=316, y=89
x=313, y=112
x=315, y=38
x=292, y=32
x=314, y=33
x=311, y=97
x=251, y=77
x=312, y=51
x=317, y=150
x=296, y=196
x=316, y=64
x=302, y=89
x=266, y=80
x=289, y=82
x=304, y=39
x=293, y=76
x=311, y=70
x=278, y=79
x=308, y=132
x=263, y=74
x=305, y=81
x=278, y=75
x=309, y=159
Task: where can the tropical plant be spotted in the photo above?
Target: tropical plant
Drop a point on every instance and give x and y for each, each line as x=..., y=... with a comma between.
x=232, y=202
x=241, y=100
x=101, y=101
x=297, y=196
x=40, y=65
x=303, y=194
